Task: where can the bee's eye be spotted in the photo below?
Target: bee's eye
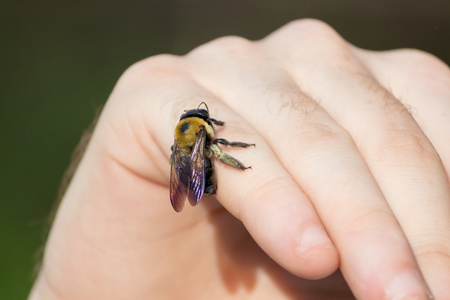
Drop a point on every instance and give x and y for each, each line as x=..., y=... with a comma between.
x=184, y=127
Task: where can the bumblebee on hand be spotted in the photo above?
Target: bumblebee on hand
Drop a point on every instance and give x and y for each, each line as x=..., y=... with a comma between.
x=192, y=172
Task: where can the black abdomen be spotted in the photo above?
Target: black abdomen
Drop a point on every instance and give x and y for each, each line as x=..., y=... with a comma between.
x=210, y=178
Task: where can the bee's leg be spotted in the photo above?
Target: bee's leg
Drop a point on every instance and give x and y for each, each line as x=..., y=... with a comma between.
x=226, y=159
x=232, y=144
x=217, y=122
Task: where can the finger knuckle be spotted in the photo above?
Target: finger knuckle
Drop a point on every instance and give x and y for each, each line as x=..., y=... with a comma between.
x=151, y=68
x=323, y=132
x=437, y=250
x=400, y=144
x=223, y=47
x=311, y=27
x=418, y=65
x=308, y=40
x=421, y=60
x=276, y=186
x=311, y=32
x=316, y=140
x=362, y=220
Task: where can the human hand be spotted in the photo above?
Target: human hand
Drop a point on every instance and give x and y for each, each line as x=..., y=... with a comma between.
x=349, y=171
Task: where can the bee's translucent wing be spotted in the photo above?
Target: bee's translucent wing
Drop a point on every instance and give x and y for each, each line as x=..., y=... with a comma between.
x=197, y=185
x=180, y=178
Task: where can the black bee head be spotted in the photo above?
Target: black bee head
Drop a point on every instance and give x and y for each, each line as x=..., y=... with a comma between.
x=198, y=113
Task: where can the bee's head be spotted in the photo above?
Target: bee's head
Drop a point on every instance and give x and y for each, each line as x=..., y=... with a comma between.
x=199, y=113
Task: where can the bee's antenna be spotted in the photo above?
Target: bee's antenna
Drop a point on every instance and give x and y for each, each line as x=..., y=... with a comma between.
x=205, y=106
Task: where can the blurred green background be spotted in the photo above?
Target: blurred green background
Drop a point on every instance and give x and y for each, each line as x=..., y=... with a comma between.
x=60, y=59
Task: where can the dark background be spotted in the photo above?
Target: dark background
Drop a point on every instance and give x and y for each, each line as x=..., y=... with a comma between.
x=59, y=60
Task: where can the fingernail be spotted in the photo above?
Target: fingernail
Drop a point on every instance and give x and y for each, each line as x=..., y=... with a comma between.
x=312, y=237
x=407, y=285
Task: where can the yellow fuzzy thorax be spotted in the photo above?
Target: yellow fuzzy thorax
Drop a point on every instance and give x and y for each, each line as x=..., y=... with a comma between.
x=187, y=130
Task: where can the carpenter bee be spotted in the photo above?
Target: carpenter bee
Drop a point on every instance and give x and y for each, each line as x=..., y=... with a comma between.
x=192, y=172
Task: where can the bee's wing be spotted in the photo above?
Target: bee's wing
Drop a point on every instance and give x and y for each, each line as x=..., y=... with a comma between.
x=197, y=185
x=180, y=178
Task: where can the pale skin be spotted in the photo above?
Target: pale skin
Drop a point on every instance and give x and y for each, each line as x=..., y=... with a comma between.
x=350, y=172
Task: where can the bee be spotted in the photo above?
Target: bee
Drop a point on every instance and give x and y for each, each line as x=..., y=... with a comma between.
x=192, y=173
